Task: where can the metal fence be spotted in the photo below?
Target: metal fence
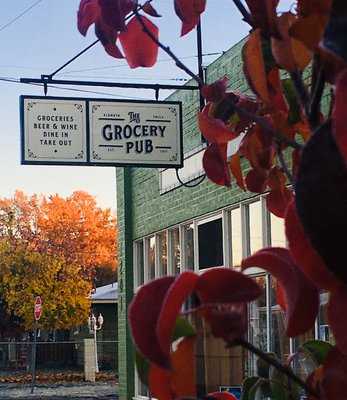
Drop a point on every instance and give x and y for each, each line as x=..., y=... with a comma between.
x=17, y=356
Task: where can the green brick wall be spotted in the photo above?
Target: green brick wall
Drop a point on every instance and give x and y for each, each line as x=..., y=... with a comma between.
x=142, y=210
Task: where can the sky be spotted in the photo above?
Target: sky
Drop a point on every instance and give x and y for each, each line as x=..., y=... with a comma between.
x=38, y=37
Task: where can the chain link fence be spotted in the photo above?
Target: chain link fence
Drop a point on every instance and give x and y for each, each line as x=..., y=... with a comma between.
x=17, y=356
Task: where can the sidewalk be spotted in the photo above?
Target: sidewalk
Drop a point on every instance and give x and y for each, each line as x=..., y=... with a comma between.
x=78, y=391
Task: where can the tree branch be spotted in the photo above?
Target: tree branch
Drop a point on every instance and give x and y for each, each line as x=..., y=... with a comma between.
x=301, y=91
x=264, y=124
x=168, y=51
x=246, y=15
x=284, y=164
x=317, y=92
x=275, y=363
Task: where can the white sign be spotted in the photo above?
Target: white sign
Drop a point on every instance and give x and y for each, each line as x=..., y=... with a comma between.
x=54, y=131
x=101, y=132
x=135, y=133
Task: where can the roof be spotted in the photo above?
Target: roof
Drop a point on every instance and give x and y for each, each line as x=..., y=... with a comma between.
x=106, y=294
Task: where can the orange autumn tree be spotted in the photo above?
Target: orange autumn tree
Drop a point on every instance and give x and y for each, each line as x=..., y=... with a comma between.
x=296, y=152
x=79, y=231
x=25, y=274
x=73, y=228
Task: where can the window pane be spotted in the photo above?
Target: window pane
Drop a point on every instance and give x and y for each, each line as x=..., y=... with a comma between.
x=139, y=272
x=236, y=237
x=162, y=253
x=255, y=227
x=258, y=324
x=189, y=246
x=278, y=237
x=210, y=244
x=151, y=258
x=176, y=251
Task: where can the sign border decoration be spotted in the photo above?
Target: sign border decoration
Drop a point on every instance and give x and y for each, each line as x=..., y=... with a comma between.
x=173, y=163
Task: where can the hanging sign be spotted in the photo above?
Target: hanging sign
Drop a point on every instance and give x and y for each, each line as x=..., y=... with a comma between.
x=70, y=131
x=53, y=131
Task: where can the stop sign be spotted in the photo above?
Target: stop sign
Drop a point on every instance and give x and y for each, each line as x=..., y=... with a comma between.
x=38, y=308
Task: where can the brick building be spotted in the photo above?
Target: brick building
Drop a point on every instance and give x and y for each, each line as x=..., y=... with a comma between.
x=164, y=228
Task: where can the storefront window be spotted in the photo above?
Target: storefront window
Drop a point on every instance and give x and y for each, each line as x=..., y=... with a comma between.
x=151, y=258
x=255, y=226
x=258, y=324
x=188, y=231
x=139, y=267
x=176, y=250
x=162, y=248
x=210, y=236
x=236, y=236
x=278, y=237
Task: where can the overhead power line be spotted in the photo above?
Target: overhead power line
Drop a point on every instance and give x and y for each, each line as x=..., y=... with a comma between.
x=126, y=65
x=16, y=81
x=20, y=15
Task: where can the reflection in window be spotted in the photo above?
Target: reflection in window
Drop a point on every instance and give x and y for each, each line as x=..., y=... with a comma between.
x=139, y=271
x=210, y=244
x=255, y=226
x=278, y=237
x=279, y=340
x=236, y=237
x=325, y=332
x=176, y=251
x=162, y=253
x=151, y=258
x=188, y=231
x=258, y=323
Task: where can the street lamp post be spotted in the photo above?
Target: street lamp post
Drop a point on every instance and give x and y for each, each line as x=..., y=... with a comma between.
x=95, y=324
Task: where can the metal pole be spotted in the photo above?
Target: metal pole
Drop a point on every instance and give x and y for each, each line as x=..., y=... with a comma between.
x=96, y=351
x=33, y=358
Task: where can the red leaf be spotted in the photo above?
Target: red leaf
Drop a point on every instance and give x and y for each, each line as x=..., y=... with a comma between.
x=289, y=53
x=178, y=292
x=227, y=321
x=236, y=170
x=159, y=382
x=113, y=12
x=277, y=201
x=143, y=316
x=215, y=91
x=338, y=305
x=304, y=255
x=189, y=12
x=183, y=369
x=256, y=180
x=221, y=396
x=224, y=285
x=88, y=14
x=150, y=10
x=254, y=67
x=179, y=382
x=264, y=15
x=334, y=378
x=301, y=296
x=258, y=148
x=146, y=54
x=215, y=164
x=280, y=196
x=308, y=7
x=108, y=37
x=339, y=114
x=214, y=129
